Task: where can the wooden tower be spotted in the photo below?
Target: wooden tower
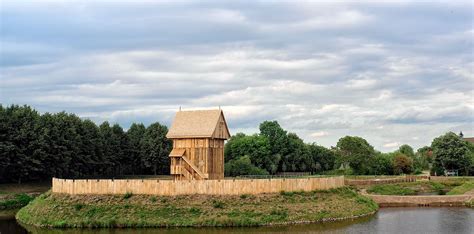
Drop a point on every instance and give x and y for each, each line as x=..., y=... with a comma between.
x=198, y=145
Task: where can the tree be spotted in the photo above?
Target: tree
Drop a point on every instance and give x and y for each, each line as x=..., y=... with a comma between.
x=426, y=153
x=91, y=147
x=406, y=150
x=402, y=164
x=322, y=159
x=18, y=143
x=257, y=147
x=278, y=141
x=231, y=151
x=356, y=152
x=381, y=164
x=156, y=149
x=135, y=134
x=108, y=146
x=242, y=166
x=35, y=147
x=451, y=152
x=298, y=158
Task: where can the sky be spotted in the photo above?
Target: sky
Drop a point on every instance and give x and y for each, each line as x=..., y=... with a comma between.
x=398, y=72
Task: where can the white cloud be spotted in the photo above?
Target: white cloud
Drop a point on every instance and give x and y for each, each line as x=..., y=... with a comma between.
x=319, y=134
x=322, y=70
x=391, y=145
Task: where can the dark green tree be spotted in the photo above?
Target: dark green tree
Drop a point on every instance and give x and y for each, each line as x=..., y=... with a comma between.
x=18, y=143
x=297, y=159
x=356, y=152
x=381, y=164
x=322, y=159
x=451, y=152
x=406, y=150
x=242, y=166
x=156, y=149
x=257, y=147
x=278, y=141
x=135, y=135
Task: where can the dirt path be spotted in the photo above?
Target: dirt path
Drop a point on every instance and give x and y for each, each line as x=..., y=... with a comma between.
x=471, y=193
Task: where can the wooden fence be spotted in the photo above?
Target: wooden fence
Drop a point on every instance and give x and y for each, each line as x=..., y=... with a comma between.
x=209, y=187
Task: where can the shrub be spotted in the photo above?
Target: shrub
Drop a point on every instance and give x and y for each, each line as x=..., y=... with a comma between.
x=402, y=164
x=243, y=166
x=18, y=201
x=78, y=207
x=217, y=204
x=127, y=195
x=195, y=211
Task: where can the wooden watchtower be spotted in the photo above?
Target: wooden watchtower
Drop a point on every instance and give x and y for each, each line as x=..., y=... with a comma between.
x=198, y=145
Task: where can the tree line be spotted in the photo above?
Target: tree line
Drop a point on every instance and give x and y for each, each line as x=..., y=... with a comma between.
x=274, y=150
x=37, y=146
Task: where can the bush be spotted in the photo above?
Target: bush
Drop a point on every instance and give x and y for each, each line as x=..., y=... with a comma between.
x=78, y=207
x=127, y=195
x=18, y=201
x=217, y=204
x=402, y=164
x=195, y=211
x=242, y=166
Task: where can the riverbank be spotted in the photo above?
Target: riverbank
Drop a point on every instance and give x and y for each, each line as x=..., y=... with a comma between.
x=56, y=210
x=15, y=196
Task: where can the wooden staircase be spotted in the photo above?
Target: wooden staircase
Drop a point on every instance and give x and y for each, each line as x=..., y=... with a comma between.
x=183, y=168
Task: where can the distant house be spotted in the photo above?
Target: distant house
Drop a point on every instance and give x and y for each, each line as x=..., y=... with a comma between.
x=198, y=145
x=469, y=139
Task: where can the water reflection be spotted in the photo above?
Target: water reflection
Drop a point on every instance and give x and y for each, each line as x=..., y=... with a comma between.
x=387, y=220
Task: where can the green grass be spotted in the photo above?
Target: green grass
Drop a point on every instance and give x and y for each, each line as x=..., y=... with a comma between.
x=55, y=210
x=413, y=188
x=15, y=201
x=390, y=189
x=461, y=189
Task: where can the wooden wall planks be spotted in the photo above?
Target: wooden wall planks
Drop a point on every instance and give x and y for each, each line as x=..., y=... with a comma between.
x=184, y=187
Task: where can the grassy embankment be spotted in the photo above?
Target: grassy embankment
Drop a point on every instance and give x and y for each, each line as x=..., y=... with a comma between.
x=15, y=196
x=462, y=189
x=55, y=210
x=449, y=187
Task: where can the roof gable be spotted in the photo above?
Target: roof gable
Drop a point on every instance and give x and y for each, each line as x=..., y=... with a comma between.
x=197, y=124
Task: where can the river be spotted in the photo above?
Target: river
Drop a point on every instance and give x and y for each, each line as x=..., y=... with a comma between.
x=387, y=220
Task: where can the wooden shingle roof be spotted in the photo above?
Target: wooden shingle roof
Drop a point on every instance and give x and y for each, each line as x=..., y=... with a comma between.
x=197, y=124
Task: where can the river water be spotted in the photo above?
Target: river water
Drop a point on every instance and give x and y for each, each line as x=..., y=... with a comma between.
x=387, y=220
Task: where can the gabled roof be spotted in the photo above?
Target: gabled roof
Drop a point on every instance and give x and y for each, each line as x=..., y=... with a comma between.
x=197, y=124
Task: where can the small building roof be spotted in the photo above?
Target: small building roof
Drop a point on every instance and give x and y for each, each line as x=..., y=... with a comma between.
x=197, y=124
x=469, y=139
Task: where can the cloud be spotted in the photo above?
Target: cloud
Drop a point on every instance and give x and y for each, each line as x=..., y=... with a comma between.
x=391, y=145
x=319, y=134
x=323, y=70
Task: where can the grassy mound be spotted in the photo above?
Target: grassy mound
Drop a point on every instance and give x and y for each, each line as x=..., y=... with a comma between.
x=55, y=210
x=14, y=201
x=413, y=188
x=461, y=189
